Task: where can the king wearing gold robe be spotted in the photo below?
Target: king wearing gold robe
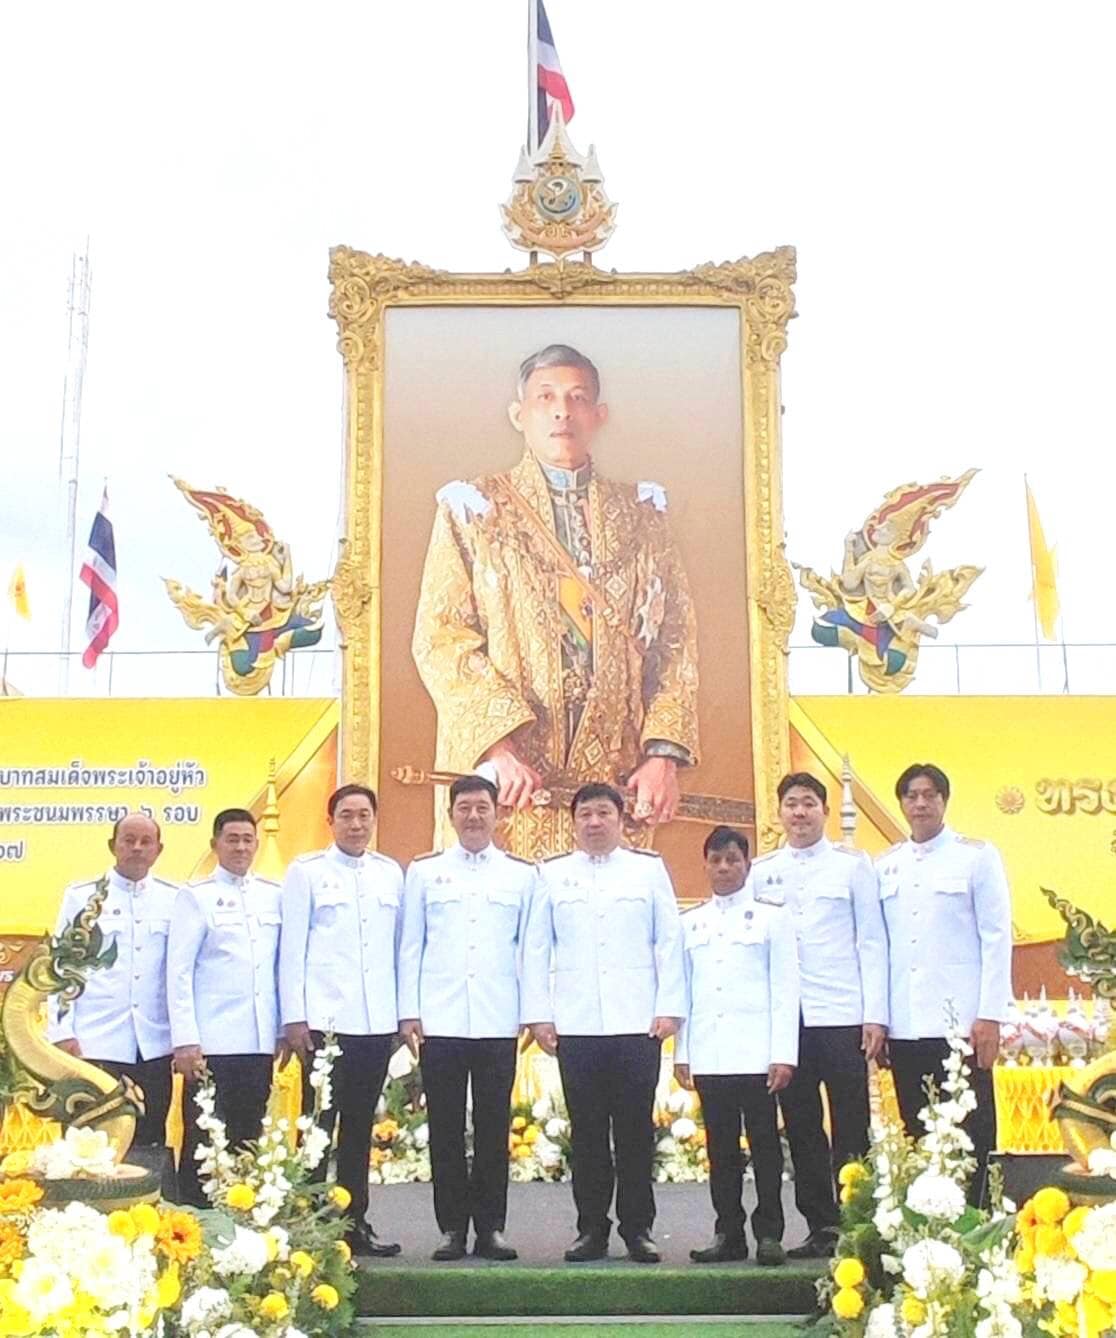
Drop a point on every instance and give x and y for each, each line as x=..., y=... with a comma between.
x=555, y=630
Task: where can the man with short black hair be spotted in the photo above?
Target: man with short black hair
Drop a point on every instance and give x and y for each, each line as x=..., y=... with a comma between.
x=222, y=985
x=947, y=906
x=341, y=920
x=465, y=914
x=833, y=904
x=120, y=1020
x=608, y=917
x=739, y=1043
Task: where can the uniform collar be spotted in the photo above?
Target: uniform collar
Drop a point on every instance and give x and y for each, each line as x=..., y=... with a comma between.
x=567, y=480
x=935, y=843
x=471, y=860
x=600, y=860
x=820, y=846
x=348, y=861
x=222, y=875
x=122, y=884
x=727, y=903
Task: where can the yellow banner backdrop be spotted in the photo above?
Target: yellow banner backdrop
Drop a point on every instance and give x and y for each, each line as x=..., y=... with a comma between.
x=68, y=769
x=1034, y=775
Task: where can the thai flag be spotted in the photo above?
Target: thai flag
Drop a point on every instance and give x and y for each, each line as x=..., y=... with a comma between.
x=98, y=571
x=551, y=81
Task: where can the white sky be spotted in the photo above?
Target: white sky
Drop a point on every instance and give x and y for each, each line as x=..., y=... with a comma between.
x=940, y=168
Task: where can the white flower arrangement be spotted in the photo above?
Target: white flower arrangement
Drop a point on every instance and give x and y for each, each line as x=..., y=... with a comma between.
x=81, y=1153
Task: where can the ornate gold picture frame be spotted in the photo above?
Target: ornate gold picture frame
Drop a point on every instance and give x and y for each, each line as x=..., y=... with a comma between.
x=365, y=287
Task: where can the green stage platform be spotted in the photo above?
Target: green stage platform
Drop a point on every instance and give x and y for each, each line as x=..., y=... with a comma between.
x=591, y=1329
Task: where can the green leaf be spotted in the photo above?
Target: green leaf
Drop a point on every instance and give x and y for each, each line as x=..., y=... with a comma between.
x=988, y=1234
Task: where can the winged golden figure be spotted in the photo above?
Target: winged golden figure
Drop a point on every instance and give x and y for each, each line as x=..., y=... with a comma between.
x=874, y=608
x=259, y=610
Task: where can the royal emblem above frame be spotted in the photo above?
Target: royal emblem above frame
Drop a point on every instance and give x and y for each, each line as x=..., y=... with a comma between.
x=402, y=406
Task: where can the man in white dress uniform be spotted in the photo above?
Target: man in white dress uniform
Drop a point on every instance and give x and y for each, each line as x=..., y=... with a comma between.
x=341, y=921
x=947, y=906
x=223, y=990
x=607, y=917
x=465, y=915
x=739, y=1043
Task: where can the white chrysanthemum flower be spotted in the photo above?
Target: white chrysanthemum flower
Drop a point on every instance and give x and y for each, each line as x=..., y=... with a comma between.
x=683, y=1129
x=1003, y=1324
x=42, y=1289
x=929, y=1263
x=556, y=1127
x=666, y=1147
x=547, y=1154
x=936, y=1196
x=541, y=1109
x=208, y=1305
x=1095, y=1243
x=246, y=1253
x=1060, y=1280
x=881, y=1323
x=887, y=1220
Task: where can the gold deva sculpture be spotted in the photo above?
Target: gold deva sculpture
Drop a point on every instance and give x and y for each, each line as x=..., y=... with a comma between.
x=874, y=609
x=260, y=610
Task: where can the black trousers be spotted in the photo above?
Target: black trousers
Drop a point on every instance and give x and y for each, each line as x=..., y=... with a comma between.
x=609, y=1084
x=462, y=1195
x=153, y=1078
x=829, y=1055
x=912, y=1062
x=358, y=1080
x=724, y=1097
x=243, y=1085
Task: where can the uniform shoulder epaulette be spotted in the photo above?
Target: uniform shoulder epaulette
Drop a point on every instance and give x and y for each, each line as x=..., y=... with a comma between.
x=429, y=854
x=519, y=859
x=695, y=907
x=268, y=882
x=654, y=854
x=844, y=850
x=762, y=859
x=763, y=899
x=549, y=859
x=310, y=855
x=82, y=882
x=892, y=849
x=165, y=882
x=972, y=841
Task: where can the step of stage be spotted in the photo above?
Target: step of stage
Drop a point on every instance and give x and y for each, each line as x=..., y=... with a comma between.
x=541, y=1225
x=593, y=1326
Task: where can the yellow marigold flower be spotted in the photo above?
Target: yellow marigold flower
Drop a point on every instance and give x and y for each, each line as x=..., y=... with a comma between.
x=17, y=1196
x=1065, y=1316
x=1025, y=1258
x=849, y=1273
x=531, y=1134
x=522, y=1152
x=179, y=1237
x=17, y=1163
x=847, y=1191
x=912, y=1310
x=519, y=1124
x=274, y=1306
x=340, y=1197
x=743, y=1142
x=1051, y=1204
x=1049, y=1240
x=146, y=1219
x=1074, y=1221
x=1097, y=1315
x=325, y=1296
x=241, y=1197
x=514, y=1141
x=851, y=1172
x=1103, y=1284
x=168, y=1287
x=302, y=1263
x=271, y=1244
x=122, y=1224
x=146, y=1314
x=12, y=1246
x=847, y=1303
x=343, y=1249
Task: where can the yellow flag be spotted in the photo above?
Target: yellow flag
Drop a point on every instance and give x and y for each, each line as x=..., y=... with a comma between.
x=1044, y=571
x=17, y=593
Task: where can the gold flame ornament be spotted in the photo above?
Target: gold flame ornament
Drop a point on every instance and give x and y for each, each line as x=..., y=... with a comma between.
x=874, y=609
x=259, y=610
x=558, y=203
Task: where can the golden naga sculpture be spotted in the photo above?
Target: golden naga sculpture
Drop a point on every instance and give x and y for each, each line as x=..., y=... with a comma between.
x=1085, y=1106
x=58, y=1086
x=260, y=610
x=874, y=609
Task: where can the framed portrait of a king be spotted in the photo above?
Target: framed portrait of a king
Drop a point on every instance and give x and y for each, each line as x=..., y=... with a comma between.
x=563, y=546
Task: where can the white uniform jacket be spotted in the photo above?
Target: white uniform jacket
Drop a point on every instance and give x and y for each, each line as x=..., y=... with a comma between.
x=947, y=908
x=341, y=922
x=610, y=927
x=460, y=957
x=742, y=982
x=222, y=965
x=834, y=904
x=122, y=1012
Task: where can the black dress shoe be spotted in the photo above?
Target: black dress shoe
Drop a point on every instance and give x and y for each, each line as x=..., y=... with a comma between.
x=363, y=1241
x=587, y=1246
x=643, y=1250
x=452, y=1247
x=723, y=1249
x=492, y=1245
x=817, y=1245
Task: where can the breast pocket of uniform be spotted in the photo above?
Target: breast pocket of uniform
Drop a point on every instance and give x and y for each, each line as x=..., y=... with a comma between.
x=698, y=937
x=951, y=886
x=832, y=892
x=569, y=905
x=159, y=929
x=442, y=900
x=746, y=935
x=388, y=899
x=327, y=908
x=889, y=888
x=268, y=922
x=233, y=919
x=506, y=902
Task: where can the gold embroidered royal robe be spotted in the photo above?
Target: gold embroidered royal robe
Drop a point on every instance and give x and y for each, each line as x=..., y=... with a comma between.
x=492, y=631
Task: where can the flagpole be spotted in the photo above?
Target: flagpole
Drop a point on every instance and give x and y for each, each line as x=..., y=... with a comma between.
x=532, y=76
x=1034, y=601
x=77, y=345
x=1065, y=656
